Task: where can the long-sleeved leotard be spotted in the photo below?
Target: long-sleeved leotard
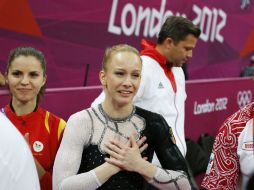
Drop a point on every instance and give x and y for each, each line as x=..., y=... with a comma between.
x=82, y=150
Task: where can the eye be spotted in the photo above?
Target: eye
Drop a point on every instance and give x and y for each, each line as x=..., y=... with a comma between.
x=136, y=75
x=16, y=73
x=119, y=73
x=188, y=48
x=34, y=74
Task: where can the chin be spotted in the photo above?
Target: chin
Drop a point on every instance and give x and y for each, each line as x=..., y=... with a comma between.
x=24, y=99
x=125, y=101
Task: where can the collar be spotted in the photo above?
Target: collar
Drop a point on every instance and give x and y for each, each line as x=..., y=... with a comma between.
x=13, y=110
x=148, y=49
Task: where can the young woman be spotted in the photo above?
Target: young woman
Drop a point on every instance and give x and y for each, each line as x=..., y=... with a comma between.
x=26, y=77
x=100, y=147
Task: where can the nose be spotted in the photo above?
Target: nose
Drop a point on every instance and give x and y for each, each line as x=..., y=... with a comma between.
x=189, y=54
x=127, y=82
x=25, y=80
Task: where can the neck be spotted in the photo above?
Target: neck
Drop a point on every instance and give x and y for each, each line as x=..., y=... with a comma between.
x=23, y=108
x=116, y=111
x=160, y=49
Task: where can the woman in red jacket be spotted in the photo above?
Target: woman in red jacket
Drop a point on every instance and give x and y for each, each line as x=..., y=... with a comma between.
x=26, y=78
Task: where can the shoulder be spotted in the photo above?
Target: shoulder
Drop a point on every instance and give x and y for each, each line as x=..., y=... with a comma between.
x=149, y=116
x=80, y=117
x=52, y=119
x=238, y=120
x=149, y=63
x=141, y=111
x=44, y=111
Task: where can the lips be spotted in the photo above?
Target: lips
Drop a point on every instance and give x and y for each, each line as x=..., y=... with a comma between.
x=125, y=92
x=24, y=89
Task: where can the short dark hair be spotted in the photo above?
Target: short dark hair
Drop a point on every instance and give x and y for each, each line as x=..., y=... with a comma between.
x=177, y=28
x=28, y=51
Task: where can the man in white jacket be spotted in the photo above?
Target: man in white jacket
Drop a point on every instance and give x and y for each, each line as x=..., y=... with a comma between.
x=162, y=88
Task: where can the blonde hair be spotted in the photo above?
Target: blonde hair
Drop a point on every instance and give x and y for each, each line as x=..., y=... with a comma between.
x=109, y=52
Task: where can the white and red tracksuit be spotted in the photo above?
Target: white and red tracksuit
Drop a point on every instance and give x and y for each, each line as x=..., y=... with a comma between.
x=162, y=90
x=232, y=160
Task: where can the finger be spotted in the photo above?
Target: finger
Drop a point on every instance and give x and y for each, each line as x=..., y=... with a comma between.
x=145, y=158
x=128, y=143
x=114, y=161
x=113, y=148
x=112, y=154
x=141, y=149
x=135, y=135
x=133, y=141
x=141, y=141
x=118, y=144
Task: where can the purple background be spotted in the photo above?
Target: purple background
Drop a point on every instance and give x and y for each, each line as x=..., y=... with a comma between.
x=74, y=34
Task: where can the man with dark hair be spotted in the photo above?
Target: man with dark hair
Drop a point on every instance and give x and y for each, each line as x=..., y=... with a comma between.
x=162, y=88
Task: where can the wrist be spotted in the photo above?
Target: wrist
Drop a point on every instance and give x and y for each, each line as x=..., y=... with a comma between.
x=111, y=168
x=146, y=169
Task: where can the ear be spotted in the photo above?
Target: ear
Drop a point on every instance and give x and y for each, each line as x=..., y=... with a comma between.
x=102, y=76
x=6, y=78
x=169, y=43
x=44, y=80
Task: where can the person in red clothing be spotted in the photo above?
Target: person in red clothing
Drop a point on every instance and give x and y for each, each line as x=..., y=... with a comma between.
x=26, y=78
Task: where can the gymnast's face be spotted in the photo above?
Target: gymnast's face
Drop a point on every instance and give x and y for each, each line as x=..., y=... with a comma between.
x=25, y=78
x=121, y=78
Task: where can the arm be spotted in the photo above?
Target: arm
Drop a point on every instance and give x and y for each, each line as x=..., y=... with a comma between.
x=45, y=177
x=67, y=162
x=129, y=158
x=174, y=172
x=223, y=167
x=57, y=126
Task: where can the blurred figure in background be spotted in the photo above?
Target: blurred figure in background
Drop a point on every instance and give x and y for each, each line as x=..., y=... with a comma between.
x=17, y=167
x=248, y=71
x=232, y=160
x=26, y=78
x=2, y=80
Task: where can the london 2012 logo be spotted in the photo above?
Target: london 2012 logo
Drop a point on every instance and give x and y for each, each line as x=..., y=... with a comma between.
x=244, y=97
